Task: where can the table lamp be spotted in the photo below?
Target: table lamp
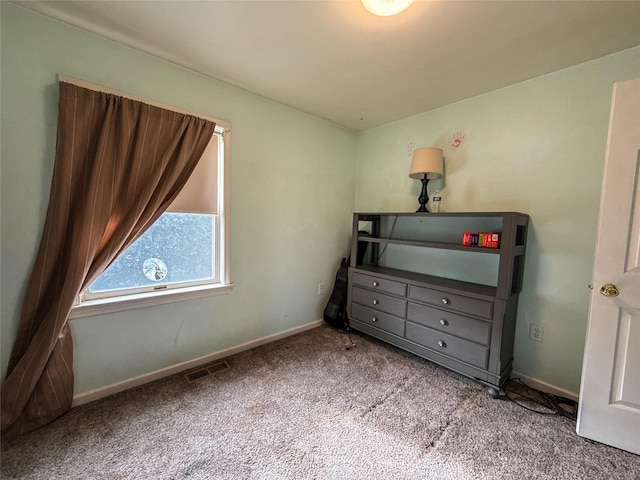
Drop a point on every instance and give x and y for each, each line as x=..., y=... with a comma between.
x=426, y=164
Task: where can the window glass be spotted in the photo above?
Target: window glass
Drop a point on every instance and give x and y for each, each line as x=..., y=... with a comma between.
x=177, y=248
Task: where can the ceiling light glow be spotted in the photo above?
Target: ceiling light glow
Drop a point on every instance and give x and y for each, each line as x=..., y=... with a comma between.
x=386, y=8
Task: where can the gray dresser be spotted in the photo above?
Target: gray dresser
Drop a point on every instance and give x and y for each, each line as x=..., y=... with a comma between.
x=414, y=285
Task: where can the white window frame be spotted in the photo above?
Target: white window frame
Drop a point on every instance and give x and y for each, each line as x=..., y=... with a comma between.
x=158, y=295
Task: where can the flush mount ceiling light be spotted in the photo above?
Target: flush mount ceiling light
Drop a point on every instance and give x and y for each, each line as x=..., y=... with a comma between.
x=386, y=8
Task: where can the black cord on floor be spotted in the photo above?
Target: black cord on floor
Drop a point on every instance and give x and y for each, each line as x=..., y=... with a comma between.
x=543, y=403
x=351, y=344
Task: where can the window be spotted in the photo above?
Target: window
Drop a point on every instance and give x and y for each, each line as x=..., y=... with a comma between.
x=184, y=254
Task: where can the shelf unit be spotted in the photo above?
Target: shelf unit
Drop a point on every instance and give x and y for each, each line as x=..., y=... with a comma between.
x=414, y=285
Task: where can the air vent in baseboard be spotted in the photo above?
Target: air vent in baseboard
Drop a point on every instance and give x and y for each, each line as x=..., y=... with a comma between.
x=205, y=371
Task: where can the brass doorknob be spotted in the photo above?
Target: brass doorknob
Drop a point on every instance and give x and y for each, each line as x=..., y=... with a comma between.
x=609, y=290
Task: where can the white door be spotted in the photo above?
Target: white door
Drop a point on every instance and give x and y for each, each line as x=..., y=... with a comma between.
x=609, y=409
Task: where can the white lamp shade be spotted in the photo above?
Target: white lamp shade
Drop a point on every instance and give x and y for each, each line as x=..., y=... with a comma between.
x=426, y=160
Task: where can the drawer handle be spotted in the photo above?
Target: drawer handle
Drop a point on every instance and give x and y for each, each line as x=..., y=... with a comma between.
x=443, y=322
x=374, y=319
x=442, y=344
x=446, y=301
x=375, y=284
x=375, y=302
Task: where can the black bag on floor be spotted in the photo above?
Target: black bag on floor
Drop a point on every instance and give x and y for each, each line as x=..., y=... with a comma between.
x=335, y=313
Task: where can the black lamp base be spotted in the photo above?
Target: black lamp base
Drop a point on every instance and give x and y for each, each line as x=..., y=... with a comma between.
x=424, y=196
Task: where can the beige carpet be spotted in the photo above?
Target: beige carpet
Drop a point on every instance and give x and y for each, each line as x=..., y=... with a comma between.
x=307, y=408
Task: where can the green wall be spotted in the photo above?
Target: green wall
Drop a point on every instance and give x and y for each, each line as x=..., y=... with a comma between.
x=292, y=199
x=537, y=147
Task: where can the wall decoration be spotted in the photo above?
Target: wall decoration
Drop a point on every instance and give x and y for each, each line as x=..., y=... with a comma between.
x=410, y=147
x=458, y=137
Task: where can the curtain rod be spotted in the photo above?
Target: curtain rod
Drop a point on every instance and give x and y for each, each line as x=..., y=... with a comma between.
x=98, y=88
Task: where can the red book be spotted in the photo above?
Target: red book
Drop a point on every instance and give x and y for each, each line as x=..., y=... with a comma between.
x=489, y=240
x=470, y=239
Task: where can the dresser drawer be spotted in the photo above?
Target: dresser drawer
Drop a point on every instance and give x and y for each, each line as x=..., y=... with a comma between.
x=449, y=322
x=444, y=300
x=378, y=319
x=446, y=344
x=383, y=303
x=381, y=284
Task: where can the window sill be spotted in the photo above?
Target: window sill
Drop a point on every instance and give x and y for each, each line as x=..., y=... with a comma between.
x=109, y=305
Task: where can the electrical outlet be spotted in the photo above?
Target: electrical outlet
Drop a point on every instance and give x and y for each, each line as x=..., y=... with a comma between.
x=536, y=332
x=321, y=288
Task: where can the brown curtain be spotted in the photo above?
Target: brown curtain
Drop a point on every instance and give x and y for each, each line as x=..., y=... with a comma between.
x=119, y=164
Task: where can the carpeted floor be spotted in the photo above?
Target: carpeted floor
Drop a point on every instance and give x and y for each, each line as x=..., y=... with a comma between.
x=307, y=408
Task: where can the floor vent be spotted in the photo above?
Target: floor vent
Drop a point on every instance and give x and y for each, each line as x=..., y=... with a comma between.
x=206, y=371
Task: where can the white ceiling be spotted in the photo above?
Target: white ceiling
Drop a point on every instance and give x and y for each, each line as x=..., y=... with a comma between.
x=335, y=60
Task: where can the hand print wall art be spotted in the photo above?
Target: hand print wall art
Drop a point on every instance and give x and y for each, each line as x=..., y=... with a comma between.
x=458, y=137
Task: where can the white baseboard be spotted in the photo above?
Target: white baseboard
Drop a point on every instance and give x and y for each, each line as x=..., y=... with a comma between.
x=545, y=387
x=102, y=392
